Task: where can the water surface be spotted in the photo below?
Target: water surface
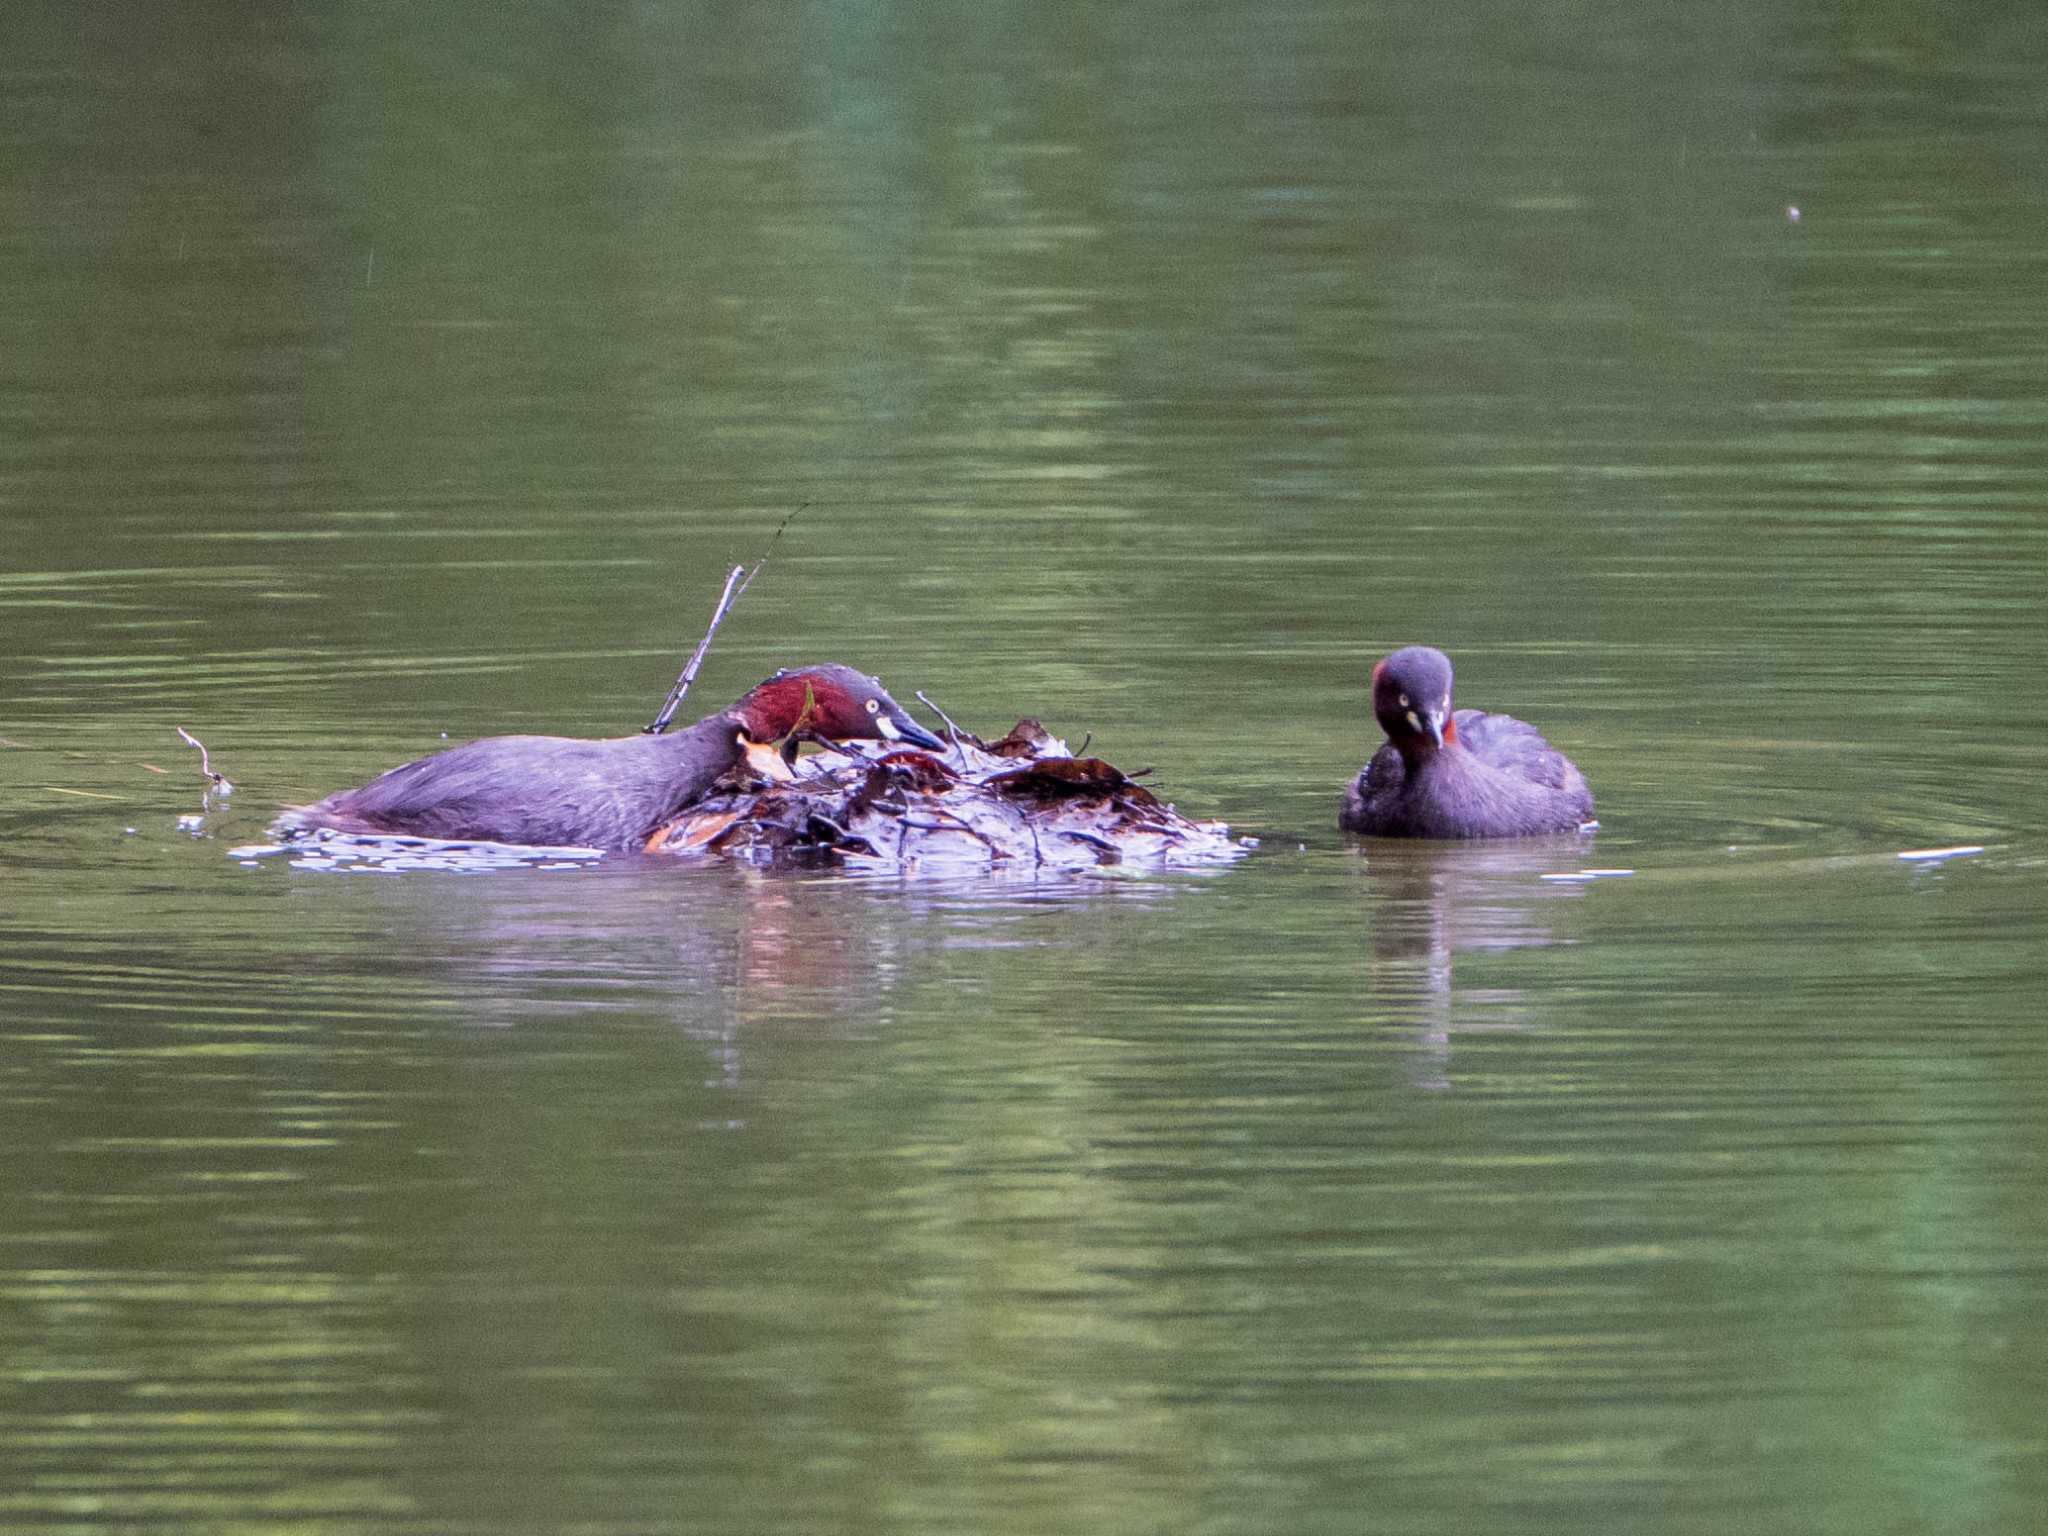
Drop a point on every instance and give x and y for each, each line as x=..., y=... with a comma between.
x=1149, y=371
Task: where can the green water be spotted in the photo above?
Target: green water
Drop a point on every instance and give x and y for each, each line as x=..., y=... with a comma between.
x=372, y=375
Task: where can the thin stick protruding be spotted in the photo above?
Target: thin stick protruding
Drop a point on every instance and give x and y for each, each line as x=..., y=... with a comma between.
x=774, y=539
x=736, y=584
x=953, y=732
x=218, y=780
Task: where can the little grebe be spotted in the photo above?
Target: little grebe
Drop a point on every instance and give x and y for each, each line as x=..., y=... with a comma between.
x=611, y=793
x=1469, y=774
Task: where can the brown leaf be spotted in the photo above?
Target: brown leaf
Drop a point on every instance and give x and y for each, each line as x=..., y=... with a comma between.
x=1027, y=738
x=687, y=832
x=1055, y=777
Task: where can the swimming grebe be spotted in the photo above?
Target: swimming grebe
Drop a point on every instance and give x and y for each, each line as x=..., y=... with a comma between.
x=1468, y=774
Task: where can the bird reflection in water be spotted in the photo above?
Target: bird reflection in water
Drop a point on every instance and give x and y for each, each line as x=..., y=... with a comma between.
x=740, y=960
x=1431, y=900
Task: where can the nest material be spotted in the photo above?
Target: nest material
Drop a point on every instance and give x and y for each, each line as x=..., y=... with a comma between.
x=1023, y=804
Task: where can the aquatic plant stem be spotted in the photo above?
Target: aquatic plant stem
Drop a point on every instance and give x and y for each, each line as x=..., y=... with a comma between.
x=219, y=780
x=688, y=675
x=953, y=732
x=736, y=584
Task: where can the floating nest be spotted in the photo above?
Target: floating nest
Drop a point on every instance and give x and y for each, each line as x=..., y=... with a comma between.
x=1021, y=804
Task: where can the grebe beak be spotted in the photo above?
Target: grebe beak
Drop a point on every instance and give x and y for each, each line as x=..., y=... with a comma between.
x=903, y=728
x=1433, y=722
x=764, y=759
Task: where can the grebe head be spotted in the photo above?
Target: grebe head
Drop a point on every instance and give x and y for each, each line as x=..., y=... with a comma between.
x=832, y=701
x=1411, y=698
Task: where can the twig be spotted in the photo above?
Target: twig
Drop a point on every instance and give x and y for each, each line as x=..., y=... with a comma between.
x=773, y=539
x=953, y=732
x=829, y=824
x=1088, y=837
x=220, y=780
x=855, y=750
x=688, y=676
x=995, y=854
x=736, y=583
x=1024, y=821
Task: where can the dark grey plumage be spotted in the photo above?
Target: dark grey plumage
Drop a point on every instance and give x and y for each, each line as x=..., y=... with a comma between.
x=1463, y=774
x=608, y=792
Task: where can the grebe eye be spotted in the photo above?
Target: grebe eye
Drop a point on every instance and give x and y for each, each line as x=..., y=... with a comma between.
x=1404, y=701
x=874, y=706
